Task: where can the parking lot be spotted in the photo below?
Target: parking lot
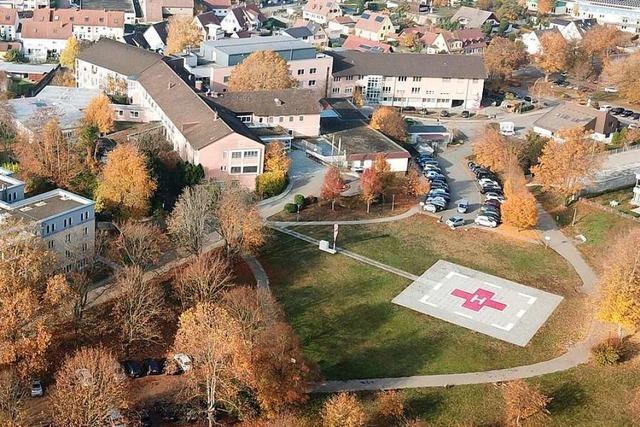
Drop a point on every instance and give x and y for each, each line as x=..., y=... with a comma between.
x=482, y=302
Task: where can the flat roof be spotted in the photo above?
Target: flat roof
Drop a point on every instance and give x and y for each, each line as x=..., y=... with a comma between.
x=46, y=205
x=256, y=44
x=359, y=140
x=427, y=129
x=11, y=67
x=118, y=5
x=66, y=104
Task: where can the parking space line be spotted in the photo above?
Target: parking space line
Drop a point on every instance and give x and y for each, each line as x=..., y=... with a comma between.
x=521, y=313
x=437, y=286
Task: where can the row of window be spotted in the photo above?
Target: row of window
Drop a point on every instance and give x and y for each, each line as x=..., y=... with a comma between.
x=67, y=222
x=347, y=90
x=51, y=244
x=311, y=71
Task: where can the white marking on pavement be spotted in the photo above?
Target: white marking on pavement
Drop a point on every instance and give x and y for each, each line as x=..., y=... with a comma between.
x=531, y=299
x=492, y=285
x=462, y=314
x=508, y=327
x=437, y=286
x=521, y=313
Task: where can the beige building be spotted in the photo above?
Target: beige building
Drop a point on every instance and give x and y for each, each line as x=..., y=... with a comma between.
x=374, y=26
x=410, y=80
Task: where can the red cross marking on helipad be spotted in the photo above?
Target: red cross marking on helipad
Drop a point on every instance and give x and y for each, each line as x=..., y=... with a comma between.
x=480, y=298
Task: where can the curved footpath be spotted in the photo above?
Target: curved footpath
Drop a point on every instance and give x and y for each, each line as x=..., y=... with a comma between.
x=576, y=354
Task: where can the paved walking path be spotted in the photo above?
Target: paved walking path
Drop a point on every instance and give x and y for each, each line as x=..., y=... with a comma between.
x=412, y=211
x=577, y=354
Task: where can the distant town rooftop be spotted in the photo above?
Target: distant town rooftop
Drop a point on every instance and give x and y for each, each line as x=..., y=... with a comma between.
x=126, y=6
x=13, y=67
x=255, y=44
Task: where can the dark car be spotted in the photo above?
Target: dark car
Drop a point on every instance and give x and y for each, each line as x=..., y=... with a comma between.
x=636, y=116
x=626, y=113
x=491, y=202
x=465, y=114
x=133, y=369
x=617, y=110
x=153, y=366
x=444, y=113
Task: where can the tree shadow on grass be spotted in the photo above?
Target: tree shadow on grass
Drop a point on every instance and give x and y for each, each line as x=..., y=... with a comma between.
x=566, y=396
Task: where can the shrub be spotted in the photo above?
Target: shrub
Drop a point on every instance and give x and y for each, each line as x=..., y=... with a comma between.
x=608, y=352
x=270, y=184
x=310, y=200
x=291, y=207
x=299, y=200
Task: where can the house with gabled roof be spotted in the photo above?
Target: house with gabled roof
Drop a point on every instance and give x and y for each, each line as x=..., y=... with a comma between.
x=209, y=25
x=8, y=24
x=242, y=18
x=471, y=17
x=321, y=11
x=374, y=26
x=364, y=45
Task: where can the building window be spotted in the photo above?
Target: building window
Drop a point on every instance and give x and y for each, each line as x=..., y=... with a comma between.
x=281, y=119
x=225, y=79
x=349, y=77
x=417, y=79
x=65, y=223
x=402, y=78
x=386, y=89
x=235, y=169
x=300, y=72
x=135, y=114
x=415, y=90
x=67, y=253
x=50, y=244
x=86, y=231
x=337, y=79
x=335, y=90
x=223, y=168
x=251, y=154
x=348, y=90
x=312, y=70
x=250, y=169
x=120, y=113
x=67, y=238
x=290, y=118
x=301, y=118
x=236, y=154
x=85, y=247
x=312, y=82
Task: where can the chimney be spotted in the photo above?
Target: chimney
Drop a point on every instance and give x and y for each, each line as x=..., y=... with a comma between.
x=170, y=85
x=278, y=101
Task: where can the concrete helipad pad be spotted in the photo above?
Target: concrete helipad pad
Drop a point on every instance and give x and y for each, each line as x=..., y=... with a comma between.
x=484, y=303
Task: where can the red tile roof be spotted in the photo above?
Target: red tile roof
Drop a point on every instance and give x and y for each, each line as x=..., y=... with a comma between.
x=8, y=16
x=358, y=43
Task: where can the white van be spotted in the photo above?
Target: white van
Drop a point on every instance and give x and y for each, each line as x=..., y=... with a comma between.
x=507, y=128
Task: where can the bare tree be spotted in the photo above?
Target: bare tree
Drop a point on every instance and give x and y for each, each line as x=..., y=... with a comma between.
x=238, y=221
x=12, y=396
x=203, y=279
x=193, y=217
x=139, y=307
x=138, y=243
x=88, y=387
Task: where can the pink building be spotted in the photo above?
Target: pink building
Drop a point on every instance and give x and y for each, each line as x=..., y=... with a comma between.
x=311, y=69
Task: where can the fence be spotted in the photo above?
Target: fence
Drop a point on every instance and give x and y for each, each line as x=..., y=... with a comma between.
x=623, y=149
x=610, y=210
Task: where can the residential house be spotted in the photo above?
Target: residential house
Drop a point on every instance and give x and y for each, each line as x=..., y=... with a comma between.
x=531, y=40
x=242, y=18
x=18, y=70
x=374, y=26
x=311, y=69
x=159, y=10
x=341, y=25
x=200, y=133
x=208, y=24
x=8, y=24
x=365, y=45
x=23, y=5
x=295, y=110
x=469, y=41
x=219, y=7
x=156, y=36
x=45, y=34
x=569, y=115
x=6, y=47
x=572, y=30
x=410, y=80
x=125, y=6
x=309, y=32
x=470, y=17
x=559, y=7
x=321, y=11
x=65, y=104
x=624, y=14
x=65, y=221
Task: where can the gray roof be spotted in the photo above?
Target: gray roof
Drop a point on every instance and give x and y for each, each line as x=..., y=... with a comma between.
x=351, y=62
x=360, y=141
x=299, y=32
x=119, y=57
x=474, y=17
x=286, y=102
x=570, y=115
x=118, y=5
x=208, y=18
x=256, y=44
x=15, y=67
x=632, y=4
x=161, y=30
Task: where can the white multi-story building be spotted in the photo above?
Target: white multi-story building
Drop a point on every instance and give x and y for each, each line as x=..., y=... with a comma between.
x=45, y=35
x=625, y=14
x=65, y=221
x=23, y=5
x=8, y=24
x=410, y=80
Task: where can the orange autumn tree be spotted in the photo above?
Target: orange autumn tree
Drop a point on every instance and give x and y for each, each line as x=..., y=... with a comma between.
x=343, y=410
x=390, y=122
x=415, y=184
x=238, y=221
x=545, y=6
x=182, y=33
x=503, y=56
x=126, y=186
x=332, y=186
x=567, y=166
x=495, y=151
x=555, y=53
x=371, y=186
x=601, y=41
x=262, y=70
x=623, y=73
x=99, y=114
x=524, y=402
x=276, y=159
x=519, y=210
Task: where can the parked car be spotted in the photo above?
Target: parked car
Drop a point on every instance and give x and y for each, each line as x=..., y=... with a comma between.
x=491, y=189
x=37, y=390
x=444, y=113
x=465, y=114
x=183, y=361
x=611, y=89
x=153, y=366
x=636, y=116
x=487, y=181
x=434, y=206
x=485, y=221
x=530, y=100
x=492, y=202
x=605, y=107
x=626, y=113
x=494, y=196
x=463, y=206
x=472, y=166
x=133, y=369
x=617, y=110
x=455, y=221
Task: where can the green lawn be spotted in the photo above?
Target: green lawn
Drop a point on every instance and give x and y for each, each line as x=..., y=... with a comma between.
x=341, y=308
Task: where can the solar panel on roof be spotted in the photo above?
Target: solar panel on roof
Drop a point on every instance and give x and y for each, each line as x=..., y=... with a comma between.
x=379, y=19
x=365, y=16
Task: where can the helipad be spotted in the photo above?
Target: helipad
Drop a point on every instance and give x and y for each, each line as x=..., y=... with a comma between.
x=484, y=303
